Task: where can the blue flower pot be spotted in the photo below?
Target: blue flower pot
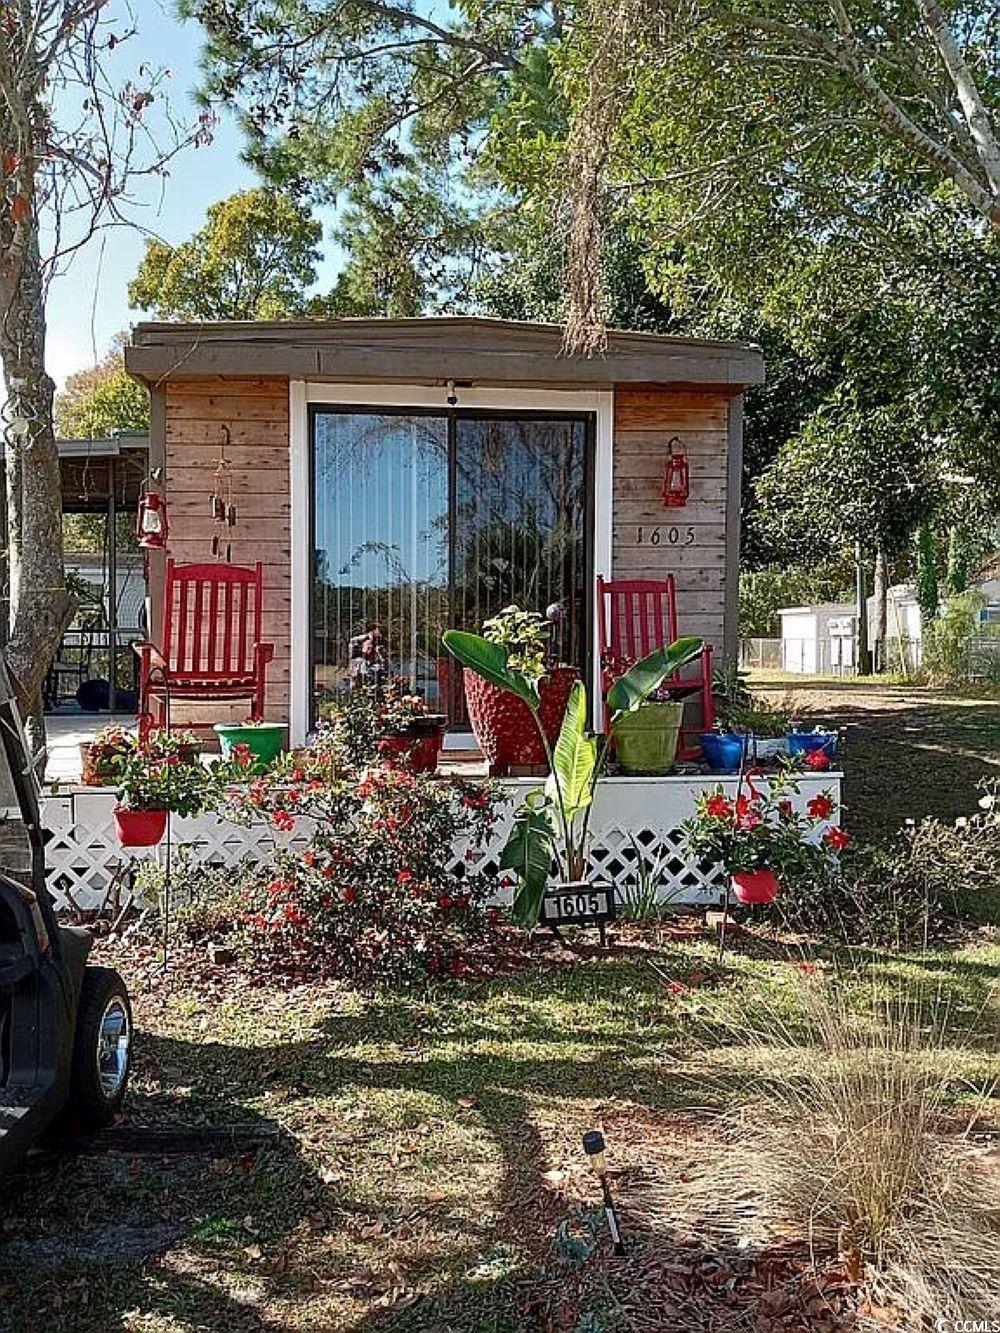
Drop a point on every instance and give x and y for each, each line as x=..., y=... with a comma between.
x=808, y=742
x=723, y=751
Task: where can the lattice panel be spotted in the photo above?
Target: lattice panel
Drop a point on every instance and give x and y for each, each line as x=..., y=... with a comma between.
x=635, y=821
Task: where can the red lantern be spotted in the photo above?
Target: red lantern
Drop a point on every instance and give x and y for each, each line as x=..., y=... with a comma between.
x=676, y=479
x=151, y=522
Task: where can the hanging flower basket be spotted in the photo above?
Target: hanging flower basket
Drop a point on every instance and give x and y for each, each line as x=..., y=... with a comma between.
x=755, y=886
x=140, y=828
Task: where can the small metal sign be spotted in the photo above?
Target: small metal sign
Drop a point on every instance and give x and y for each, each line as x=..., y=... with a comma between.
x=579, y=905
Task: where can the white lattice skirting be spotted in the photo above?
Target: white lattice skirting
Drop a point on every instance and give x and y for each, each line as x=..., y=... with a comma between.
x=635, y=821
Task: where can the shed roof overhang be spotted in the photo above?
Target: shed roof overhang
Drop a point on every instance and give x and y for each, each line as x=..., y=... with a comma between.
x=432, y=351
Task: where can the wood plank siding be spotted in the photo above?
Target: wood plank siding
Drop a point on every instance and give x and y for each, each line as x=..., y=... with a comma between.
x=693, y=543
x=255, y=410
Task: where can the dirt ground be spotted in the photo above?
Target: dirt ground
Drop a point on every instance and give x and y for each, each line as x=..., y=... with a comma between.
x=908, y=751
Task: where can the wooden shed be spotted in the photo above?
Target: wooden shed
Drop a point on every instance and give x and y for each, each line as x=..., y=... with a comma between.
x=422, y=473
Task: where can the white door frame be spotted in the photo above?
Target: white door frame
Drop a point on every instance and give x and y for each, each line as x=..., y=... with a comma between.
x=302, y=394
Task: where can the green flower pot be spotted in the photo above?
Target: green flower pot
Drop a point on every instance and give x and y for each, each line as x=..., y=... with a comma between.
x=646, y=740
x=266, y=740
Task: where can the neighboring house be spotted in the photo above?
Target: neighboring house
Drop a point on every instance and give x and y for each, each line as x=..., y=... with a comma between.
x=416, y=474
x=819, y=640
x=986, y=582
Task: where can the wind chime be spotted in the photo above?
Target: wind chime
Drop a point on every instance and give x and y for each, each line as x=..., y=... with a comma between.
x=223, y=507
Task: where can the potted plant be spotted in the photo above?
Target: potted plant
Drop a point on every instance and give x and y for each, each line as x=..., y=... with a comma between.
x=646, y=738
x=265, y=740
x=802, y=742
x=151, y=785
x=725, y=748
x=406, y=732
x=551, y=828
x=757, y=835
x=99, y=756
x=765, y=723
x=504, y=726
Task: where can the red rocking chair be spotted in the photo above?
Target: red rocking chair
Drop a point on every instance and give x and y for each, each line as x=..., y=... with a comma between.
x=634, y=618
x=211, y=646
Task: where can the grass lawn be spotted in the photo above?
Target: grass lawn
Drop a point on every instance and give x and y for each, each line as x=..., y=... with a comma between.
x=425, y=1170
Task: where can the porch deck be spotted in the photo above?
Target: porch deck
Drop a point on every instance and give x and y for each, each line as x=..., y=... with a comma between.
x=636, y=827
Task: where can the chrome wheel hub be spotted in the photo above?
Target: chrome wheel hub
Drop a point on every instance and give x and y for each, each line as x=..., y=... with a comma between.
x=112, y=1048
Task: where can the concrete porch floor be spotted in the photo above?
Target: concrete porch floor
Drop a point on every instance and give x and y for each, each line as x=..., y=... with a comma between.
x=64, y=733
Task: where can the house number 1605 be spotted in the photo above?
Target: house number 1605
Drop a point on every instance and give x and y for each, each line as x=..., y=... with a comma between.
x=664, y=536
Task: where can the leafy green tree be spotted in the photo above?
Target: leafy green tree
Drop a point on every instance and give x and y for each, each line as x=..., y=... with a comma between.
x=255, y=258
x=928, y=596
x=101, y=401
x=957, y=577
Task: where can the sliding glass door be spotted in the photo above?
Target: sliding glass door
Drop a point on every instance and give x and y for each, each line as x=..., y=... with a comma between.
x=423, y=521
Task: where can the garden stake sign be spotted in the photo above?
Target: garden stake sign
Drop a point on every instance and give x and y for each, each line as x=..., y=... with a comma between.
x=223, y=507
x=593, y=1146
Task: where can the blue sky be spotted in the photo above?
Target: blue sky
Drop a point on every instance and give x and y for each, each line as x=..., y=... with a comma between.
x=88, y=303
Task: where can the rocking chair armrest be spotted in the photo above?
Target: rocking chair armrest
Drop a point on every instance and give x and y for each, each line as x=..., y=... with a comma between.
x=149, y=653
x=263, y=653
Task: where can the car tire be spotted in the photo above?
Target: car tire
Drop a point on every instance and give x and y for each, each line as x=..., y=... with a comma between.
x=102, y=1051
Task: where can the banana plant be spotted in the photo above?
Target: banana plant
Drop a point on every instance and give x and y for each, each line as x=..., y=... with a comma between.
x=552, y=827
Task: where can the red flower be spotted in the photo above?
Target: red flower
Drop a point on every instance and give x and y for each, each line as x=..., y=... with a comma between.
x=283, y=821
x=676, y=988
x=836, y=838
x=820, y=807
x=242, y=755
x=404, y=876
x=718, y=807
x=309, y=857
x=786, y=808
x=444, y=902
x=348, y=895
x=818, y=761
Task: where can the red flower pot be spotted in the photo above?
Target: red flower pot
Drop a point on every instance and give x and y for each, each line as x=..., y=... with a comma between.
x=140, y=828
x=418, y=752
x=503, y=724
x=755, y=886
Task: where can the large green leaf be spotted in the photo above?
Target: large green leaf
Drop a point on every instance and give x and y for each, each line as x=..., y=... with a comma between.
x=646, y=677
x=489, y=660
x=529, y=854
x=574, y=758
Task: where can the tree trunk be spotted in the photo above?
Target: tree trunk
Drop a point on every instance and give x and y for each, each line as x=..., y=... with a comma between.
x=881, y=627
x=864, y=662
x=40, y=607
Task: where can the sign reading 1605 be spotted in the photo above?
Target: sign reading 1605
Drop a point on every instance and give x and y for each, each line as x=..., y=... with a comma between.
x=661, y=536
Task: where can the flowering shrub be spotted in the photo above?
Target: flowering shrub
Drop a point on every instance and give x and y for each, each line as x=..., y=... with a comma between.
x=371, y=897
x=761, y=829
x=366, y=714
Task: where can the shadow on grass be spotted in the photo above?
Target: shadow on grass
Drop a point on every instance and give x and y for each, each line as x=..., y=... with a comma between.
x=622, y=1038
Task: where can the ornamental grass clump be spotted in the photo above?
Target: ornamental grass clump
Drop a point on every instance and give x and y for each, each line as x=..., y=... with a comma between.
x=373, y=896
x=853, y=1133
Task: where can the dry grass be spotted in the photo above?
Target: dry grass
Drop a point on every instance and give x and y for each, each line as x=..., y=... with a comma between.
x=858, y=1134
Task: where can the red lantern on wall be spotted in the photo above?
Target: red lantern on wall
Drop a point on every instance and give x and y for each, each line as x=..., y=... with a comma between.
x=676, y=478
x=151, y=526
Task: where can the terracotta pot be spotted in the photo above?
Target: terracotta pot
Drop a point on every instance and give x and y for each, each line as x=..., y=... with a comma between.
x=755, y=886
x=417, y=750
x=140, y=828
x=93, y=767
x=503, y=724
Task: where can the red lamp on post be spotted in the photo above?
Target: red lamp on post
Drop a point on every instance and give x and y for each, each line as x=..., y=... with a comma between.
x=676, y=477
x=151, y=527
